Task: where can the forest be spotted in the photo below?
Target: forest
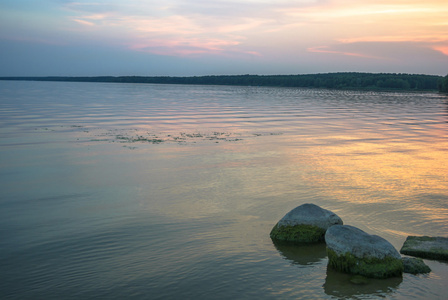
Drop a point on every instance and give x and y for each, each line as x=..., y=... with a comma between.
x=443, y=84
x=348, y=80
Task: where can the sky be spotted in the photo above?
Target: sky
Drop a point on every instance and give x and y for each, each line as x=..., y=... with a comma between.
x=218, y=37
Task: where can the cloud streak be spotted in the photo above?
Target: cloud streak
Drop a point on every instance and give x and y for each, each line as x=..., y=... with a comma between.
x=273, y=32
x=220, y=23
x=164, y=32
x=327, y=49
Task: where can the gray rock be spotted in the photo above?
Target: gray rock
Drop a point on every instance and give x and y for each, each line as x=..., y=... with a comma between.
x=306, y=223
x=346, y=238
x=354, y=251
x=310, y=214
x=426, y=247
x=414, y=265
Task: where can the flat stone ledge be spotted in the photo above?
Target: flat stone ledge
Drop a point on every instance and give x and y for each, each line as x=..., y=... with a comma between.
x=426, y=247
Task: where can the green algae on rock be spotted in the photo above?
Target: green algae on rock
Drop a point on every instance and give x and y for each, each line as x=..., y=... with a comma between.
x=354, y=251
x=369, y=267
x=298, y=233
x=426, y=247
x=306, y=223
x=414, y=266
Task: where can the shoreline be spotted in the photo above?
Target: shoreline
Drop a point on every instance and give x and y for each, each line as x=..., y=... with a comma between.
x=338, y=81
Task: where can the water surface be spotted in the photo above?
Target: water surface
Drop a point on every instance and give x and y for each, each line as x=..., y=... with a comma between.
x=168, y=191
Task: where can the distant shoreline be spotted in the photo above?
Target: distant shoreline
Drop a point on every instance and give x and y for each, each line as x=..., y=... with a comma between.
x=347, y=80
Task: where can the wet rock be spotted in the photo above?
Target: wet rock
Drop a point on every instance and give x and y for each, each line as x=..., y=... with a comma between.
x=426, y=247
x=306, y=223
x=354, y=251
x=415, y=266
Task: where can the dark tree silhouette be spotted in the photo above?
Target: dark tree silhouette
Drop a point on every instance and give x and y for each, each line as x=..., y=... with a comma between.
x=443, y=84
x=370, y=81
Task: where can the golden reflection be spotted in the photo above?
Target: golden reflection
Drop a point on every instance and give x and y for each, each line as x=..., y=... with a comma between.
x=398, y=167
x=385, y=185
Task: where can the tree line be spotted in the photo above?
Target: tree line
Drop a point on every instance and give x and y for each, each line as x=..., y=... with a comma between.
x=443, y=84
x=349, y=80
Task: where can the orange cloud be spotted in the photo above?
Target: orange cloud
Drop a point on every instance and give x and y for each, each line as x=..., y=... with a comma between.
x=443, y=49
x=398, y=38
x=380, y=20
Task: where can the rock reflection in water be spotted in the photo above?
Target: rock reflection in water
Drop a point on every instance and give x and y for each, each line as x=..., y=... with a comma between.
x=342, y=286
x=337, y=284
x=302, y=254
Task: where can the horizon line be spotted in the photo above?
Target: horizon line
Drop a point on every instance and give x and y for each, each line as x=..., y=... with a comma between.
x=192, y=76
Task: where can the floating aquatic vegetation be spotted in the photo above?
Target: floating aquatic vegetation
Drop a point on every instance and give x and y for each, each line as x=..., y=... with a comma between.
x=138, y=136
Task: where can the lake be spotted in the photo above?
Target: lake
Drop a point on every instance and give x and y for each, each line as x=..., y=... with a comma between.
x=144, y=191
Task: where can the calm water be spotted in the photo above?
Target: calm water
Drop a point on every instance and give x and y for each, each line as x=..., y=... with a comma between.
x=132, y=191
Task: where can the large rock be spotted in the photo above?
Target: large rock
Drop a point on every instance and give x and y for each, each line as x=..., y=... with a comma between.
x=426, y=247
x=306, y=223
x=354, y=251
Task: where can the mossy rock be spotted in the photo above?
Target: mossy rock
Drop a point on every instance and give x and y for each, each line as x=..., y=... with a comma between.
x=306, y=223
x=368, y=266
x=356, y=252
x=414, y=266
x=426, y=247
x=302, y=233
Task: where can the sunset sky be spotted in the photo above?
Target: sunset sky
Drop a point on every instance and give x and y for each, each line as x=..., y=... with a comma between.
x=205, y=37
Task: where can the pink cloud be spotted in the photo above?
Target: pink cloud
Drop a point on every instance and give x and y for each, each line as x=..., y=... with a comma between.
x=442, y=49
x=191, y=46
x=325, y=49
x=84, y=22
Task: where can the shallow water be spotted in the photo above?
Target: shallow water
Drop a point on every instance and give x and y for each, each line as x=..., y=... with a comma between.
x=167, y=191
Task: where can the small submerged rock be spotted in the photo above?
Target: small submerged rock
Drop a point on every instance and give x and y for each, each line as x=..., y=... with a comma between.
x=414, y=265
x=306, y=223
x=426, y=247
x=354, y=251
